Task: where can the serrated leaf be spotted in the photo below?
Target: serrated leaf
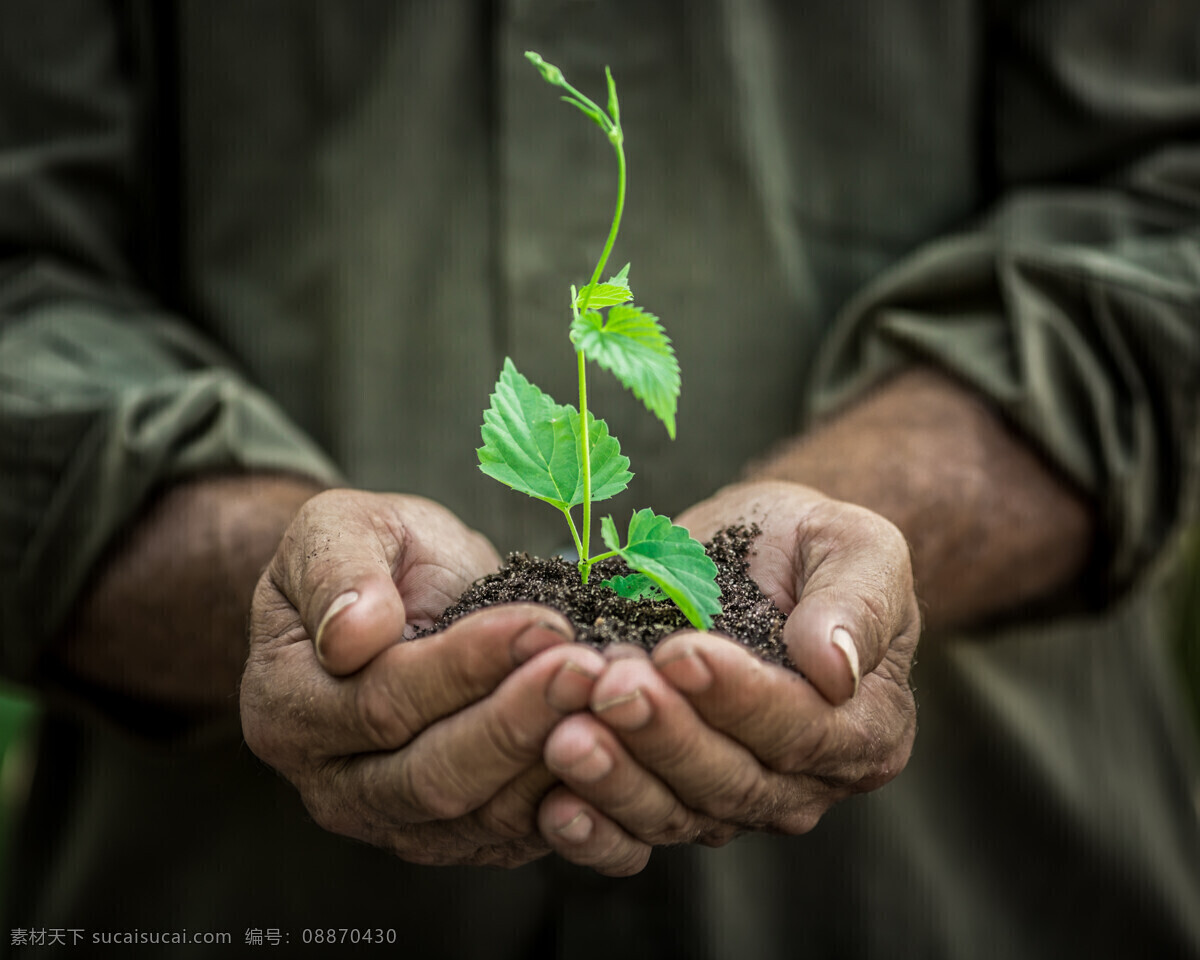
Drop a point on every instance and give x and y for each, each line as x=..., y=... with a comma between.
x=603, y=295
x=531, y=444
x=609, y=467
x=632, y=345
x=636, y=586
x=669, y=556
x=615, y=291
x=528, y=440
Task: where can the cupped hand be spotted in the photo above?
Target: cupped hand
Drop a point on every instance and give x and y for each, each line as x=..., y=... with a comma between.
x=430, y=748
x=703, y=739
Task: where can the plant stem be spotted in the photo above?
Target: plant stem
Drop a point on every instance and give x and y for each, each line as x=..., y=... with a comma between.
x=574, y=533
x=585, y=464
x=617, y=139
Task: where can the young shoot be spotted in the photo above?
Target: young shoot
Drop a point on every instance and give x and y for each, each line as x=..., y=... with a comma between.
x=563, y=455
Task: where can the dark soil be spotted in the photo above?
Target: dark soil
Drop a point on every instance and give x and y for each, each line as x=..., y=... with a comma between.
x=601, y=617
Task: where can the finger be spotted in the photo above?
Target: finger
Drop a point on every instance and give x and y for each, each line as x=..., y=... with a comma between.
x=461, y=762
x=784, y=721
x=855, y=596
x=771, y=711
x=512, y=812
x=337, y=571
x=294, y=714
x=709, y=771
x=584, y=836
x=595, y=766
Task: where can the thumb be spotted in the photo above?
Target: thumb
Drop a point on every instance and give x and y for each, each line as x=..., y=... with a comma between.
x=336, y=567
x=855, y=596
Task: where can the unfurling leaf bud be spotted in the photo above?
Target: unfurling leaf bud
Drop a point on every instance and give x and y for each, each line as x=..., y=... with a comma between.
x=550, y=73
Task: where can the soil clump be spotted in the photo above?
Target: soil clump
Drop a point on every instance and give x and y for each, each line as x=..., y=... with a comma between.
x=602, y=617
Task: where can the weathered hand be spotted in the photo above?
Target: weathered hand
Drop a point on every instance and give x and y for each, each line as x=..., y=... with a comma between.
x=430, y=748
x=704, y=739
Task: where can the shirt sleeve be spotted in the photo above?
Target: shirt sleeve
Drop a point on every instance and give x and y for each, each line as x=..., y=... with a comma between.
x=104, y=395
x=1073, y=304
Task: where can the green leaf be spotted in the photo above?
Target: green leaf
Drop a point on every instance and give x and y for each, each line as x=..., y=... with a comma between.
x=614, y=108
x=608, y=531
x=603, y=295
x=606, y=294
x=531, y=444
x=669, y=556
x=636, y=586
x=633, y=346
x=528, y=440
x=610, y=469
x=554, y=76
x=594, y=115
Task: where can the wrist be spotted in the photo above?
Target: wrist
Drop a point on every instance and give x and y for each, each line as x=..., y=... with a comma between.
x=990, y=524
x=164, y=620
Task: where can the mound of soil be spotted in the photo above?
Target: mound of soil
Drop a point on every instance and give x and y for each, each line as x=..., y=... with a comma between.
x=602, y=617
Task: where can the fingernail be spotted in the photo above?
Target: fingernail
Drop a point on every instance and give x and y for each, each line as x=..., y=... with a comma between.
x=687, y=672
x=570, y=688
x=841, y=639
x=577, y=830
x=537, y=637
x=339, y=604
x=628, y=712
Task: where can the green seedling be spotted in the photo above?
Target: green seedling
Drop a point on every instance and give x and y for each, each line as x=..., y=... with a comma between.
x=564, y=456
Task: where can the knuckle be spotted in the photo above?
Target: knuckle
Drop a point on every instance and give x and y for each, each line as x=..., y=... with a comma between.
x=381, y=709
x=740, y=796
x=741, y=704
x=507, y=856
x=507, y=820
x=803, y=801
x=803, y=754
x=511, y=740
x=671, y=753
x=433, y=793
x=675, y=825
x=718, y=835
x=878, y=618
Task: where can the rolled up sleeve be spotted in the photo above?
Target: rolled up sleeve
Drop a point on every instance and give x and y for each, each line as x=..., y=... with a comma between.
x=1073, y=305
x=104, y=396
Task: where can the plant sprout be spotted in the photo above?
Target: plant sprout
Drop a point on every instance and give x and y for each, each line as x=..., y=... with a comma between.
x=564, y=456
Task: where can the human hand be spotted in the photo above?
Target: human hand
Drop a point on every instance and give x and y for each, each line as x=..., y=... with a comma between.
x=429, y=748
x=703, y=739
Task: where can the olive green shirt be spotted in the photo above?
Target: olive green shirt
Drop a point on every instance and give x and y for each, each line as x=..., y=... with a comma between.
x=303, y=236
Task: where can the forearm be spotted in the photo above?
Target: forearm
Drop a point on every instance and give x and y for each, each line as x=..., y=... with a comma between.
x=990, y=524
x=165, y=618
